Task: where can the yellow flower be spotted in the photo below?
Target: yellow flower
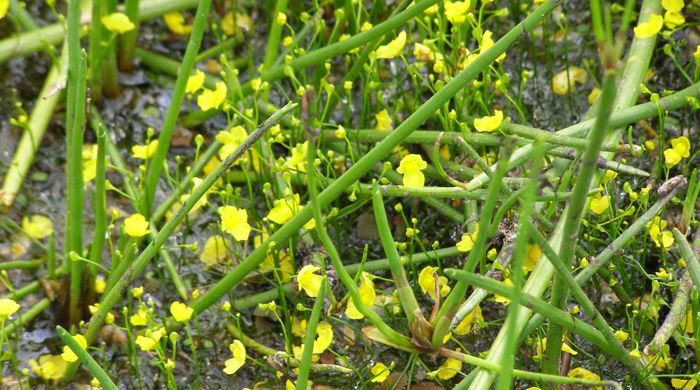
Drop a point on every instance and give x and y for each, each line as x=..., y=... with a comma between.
x=393, y=48
x=582, y=373
x=365, y=26
x=284, y=209
x=660, y=237
x=565, y=81
x=235, y=222
x=682, y=146
x=195, y=82
x=144, y=152
x=649, y=28
x=687, y=323
x=8, y=307
x=68, y=354
x=230, y=139
x=118, y=23
x=671, y=157
x=673, y=5
x=175, y=22
x=214, y=250
x=621, y=335
x=673, y=19
x=541, y=347
x=456, y=11
x=410, y=167
x=449, y=368
x=465, y=326
x=599, y=204
x=136, y=225
x=466, y=243
x=309, y=280
x=532, y=256
x=367, y=295
x=49, y=367
x=100, y=285
x=595, y=92
x=232, y=24
x=489, y=123
x=281, y=18
x=297, y=161
x=684, y=383
x=209, y=99
x=662, y=274
x=487, y=42
x=146, y=343
x=380, y=371
x=426, y=280
x=238, y=357
x=384, y=121
x=140, y=318
x=422, y=52
x=37, y=226
x=181, y=311
x=89, y=162
x=324, y=338
x=4, y=6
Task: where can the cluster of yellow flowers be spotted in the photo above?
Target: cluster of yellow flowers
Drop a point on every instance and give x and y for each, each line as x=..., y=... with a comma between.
x=672, y=19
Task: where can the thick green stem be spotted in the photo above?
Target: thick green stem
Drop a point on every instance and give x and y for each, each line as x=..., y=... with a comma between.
x=127, y=42
x=305, y=363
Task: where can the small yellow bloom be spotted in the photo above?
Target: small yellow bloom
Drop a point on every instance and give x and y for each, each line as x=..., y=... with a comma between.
x=410, y=167
x=195, y=82
x=340, y=132
x=682, y=146
x=599, y=204
x=136, y=225
x=489, y=123
x=384, y=121
x=684, y=383
x=595, y=92
x=181, y=311
x=367, y=295
x=541, y=347
x=426, y=280
x=8, y=307
x=118, y=23
x=89, y=162
x=422, y=52
x=235, y=222
x=392, y=49
x=100, y=285
x=487, y=42
x=281, y=19
x=256, y=84
x=309, y=280
x=175, y=22
x=37, y=226
x=68, y=354
x=456, y=11
x=209, y=99
x=621, y=335
x=673, y=5
x=231, y=139
x=146, y=343
x=324, y=338
x=236, y=23
x=238, y=358
x=532, y=256
x=662, y=274
x=4, y=6
x=214, y=250
x=465, y=326
x=380, y=371
x=582, y=373
x=565, y=81
x=49, y=367
x=297, y=161
x=671, y=157
x=140, y=318
x=466, y=243
x=449, y=368
x=649, y=28
x=673, y=19
x=144, y=152
x=284, y=209
x=365, y=26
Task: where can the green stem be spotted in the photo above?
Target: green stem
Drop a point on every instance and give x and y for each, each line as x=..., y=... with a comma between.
x=128, y=40
x=86, y=359
x=100, y=203
x=305, y=363
x=171, y=115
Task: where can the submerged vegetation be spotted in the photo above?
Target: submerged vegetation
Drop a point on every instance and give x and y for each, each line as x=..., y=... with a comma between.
x=346, y=194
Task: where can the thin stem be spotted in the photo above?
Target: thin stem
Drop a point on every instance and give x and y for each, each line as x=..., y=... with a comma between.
x=305, y=363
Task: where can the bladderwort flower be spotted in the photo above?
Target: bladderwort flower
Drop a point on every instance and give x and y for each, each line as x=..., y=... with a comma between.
x=426, y=280
x=680, y=149
x=212, y=99
x=37, y=226
x=136, y=225
x=392, y=49
x=195, y=82
x=380, y=371
x=565, y=81
x=367, y=294
x=599, y=204
x=230, y=139
x=384, y=121
x=214, y=250
x=175, y=22
x=411, y=167
x=144, y=152
x=284, y=209
x=181, y=312
x=309, y=280
x=68, y=354
x=235, y=222
x=649, y=28
x=237, y=359
x=489, y=123
x=8, y=307
x=118, y=23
